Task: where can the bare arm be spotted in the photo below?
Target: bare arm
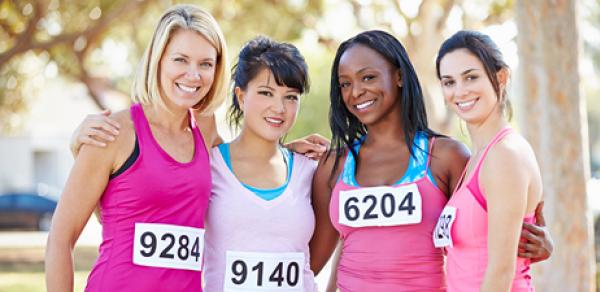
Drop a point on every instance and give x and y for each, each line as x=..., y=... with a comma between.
x=325, y=237
x=83, y=189
x=505, y=183
x=332, y=283
x=208, y=127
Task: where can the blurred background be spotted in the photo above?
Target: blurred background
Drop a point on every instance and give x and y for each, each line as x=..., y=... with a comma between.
x=63, y=59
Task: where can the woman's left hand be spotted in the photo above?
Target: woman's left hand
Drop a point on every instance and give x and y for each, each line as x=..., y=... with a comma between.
x=538, y=244
x=312, y=146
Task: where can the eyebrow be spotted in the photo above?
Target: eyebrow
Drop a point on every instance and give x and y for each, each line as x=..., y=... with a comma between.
x=186, y=56
x=359, y=71
x=463, y=73
x=267, y=87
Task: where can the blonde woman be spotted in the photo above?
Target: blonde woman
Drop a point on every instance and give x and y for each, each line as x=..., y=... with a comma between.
x=153, y=182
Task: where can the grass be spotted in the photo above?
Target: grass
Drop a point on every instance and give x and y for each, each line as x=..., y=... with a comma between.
x=22, y=269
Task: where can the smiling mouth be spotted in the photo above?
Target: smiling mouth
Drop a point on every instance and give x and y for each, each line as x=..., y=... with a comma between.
x=465, y=105
x=274, y=121
x=364, y=105
x=187, y=88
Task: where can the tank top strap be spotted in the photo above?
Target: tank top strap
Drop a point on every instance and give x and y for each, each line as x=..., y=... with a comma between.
x=198, y=138
x=473, y=184
x=429, y=152
x=501, y=134
x=140, y=123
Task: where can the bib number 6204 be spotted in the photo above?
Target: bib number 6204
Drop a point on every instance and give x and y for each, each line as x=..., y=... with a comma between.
x=380, y=206
x=168, y=246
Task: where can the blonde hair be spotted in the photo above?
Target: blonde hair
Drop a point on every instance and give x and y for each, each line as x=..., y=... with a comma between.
x=145, y=88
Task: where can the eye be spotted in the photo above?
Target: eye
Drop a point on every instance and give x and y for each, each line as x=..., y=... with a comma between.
x=180, y=60
x=344, y=84
x=447, y=83
x=206, y=65
x=265, y=93
x=292, y=97
x=472, y=77
x=368, y=77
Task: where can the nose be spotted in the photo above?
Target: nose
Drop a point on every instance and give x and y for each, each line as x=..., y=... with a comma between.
x=278, y=105
x=460, y=90
x=357, y=90
x=193, y=73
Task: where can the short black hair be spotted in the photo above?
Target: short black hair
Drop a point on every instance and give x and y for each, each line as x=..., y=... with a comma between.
x=282, y=59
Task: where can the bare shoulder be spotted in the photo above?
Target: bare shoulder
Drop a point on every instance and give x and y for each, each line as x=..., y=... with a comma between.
x=513, y=153
x=326, y=169
x=117, y=151
x=450, y=151
x=208, y=127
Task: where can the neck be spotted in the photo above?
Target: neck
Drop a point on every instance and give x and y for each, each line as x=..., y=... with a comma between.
x=482, y=133
x=253, y=146
x=173, y=118
x=387, y=131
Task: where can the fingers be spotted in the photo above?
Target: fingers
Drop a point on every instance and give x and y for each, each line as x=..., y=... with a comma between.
x=536, y=230
x=539, y=215
x=318, y=139
x=87, y=140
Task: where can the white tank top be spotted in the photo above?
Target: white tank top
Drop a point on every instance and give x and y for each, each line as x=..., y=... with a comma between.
x=256, y=245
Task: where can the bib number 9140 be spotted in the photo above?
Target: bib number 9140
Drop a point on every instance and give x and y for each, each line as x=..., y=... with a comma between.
x=258, y=271
x=168, y=246
x=380, y=206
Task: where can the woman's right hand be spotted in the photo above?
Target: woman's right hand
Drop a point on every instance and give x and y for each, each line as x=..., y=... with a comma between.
x=96, y=130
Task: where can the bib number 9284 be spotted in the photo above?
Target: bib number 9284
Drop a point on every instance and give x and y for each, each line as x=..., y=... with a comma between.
x=260, y=271
x=380, y=206
x=168, y=246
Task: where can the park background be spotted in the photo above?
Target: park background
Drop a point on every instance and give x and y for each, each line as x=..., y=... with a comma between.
x=63, y=59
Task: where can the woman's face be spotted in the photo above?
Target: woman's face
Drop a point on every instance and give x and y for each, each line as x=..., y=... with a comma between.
x=187, y=68
x=270, y=109
x=466, y=87
x=369, y=84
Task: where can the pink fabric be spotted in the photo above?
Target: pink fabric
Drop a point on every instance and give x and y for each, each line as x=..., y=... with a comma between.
x=239, y=220
x=393, y=258
x=467, y=259
x=155, y=189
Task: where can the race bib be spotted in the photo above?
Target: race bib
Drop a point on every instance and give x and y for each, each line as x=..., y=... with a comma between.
x=442, y=234
x=259, y=271
x=380, y=206
x=168, y=246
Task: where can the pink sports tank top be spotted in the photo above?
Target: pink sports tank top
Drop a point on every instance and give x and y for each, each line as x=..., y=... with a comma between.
x=467, y=258
x=387, y=230
x=153, y=219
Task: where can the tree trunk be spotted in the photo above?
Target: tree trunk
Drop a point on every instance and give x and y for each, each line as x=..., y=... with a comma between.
x=554, y=122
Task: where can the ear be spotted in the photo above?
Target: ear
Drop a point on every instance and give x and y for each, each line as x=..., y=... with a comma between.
x=239, y=94
x=503, y=75
x=399, y=78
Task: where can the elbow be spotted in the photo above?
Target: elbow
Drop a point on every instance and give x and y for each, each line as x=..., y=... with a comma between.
x=501, y=275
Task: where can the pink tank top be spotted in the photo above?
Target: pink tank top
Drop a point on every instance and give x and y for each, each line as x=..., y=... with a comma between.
x=467, y=258
x=386, y=247
x=147, y=214
x=257, y=245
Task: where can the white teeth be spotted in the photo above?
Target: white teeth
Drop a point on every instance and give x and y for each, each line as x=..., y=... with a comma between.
x=466, y=103
x=274, y=121
x=364, y=104
x=186, y=88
